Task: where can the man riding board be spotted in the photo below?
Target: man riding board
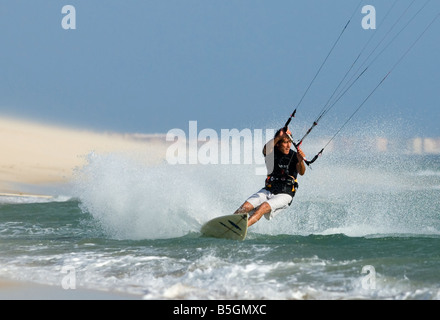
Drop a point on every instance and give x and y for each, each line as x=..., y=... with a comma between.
x=283, y=166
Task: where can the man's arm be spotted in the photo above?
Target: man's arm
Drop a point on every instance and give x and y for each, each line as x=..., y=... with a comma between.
x=300, y=166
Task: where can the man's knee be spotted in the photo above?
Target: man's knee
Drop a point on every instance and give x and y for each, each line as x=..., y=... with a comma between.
x=265, y=207
x=245, y=208
x=262, y=210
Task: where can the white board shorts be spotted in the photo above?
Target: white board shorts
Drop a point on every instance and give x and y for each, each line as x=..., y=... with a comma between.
x=277, y=202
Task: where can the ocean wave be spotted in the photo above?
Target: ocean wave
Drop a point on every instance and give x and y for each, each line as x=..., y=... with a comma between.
x=134, y=201
x=366, y=231
x=9, y=198
x=427, y=173
x=209, y=274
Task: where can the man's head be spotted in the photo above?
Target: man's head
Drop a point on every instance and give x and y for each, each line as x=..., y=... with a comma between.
x=284, y=144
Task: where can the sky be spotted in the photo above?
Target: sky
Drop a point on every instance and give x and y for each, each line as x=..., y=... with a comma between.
x=152, y=66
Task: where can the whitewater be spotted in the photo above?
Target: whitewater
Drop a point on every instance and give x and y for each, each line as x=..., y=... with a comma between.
x=131, y=228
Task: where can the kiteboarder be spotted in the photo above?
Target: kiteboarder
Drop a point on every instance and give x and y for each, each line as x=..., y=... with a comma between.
x=283, y=166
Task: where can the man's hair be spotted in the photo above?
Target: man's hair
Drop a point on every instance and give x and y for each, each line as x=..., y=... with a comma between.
x=285, y=137
x=277, y=133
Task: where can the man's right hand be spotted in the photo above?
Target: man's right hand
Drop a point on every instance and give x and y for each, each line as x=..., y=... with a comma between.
x=283, y=131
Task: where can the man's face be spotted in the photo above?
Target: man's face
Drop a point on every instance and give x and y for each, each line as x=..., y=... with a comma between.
x=284, y=145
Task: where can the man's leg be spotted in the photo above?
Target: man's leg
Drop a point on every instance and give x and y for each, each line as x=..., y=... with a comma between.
x=261, y=211
x=270, y=207
x=252, y=202
x=245, y=208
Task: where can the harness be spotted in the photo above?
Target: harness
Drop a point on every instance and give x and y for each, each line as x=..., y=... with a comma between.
x=281, y=184
x=281, y=179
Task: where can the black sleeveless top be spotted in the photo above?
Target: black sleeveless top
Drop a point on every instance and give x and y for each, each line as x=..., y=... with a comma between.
x=283, y=174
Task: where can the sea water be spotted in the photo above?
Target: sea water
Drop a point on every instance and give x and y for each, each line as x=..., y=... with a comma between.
x=365, y=227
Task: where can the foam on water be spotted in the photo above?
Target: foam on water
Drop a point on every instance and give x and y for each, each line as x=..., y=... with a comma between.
x=133, y=201
x=6, y=198
x=206, y=273
x=354, y=190
x=427, y=173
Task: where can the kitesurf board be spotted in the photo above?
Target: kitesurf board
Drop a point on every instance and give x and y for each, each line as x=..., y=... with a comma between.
x=233, y=227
